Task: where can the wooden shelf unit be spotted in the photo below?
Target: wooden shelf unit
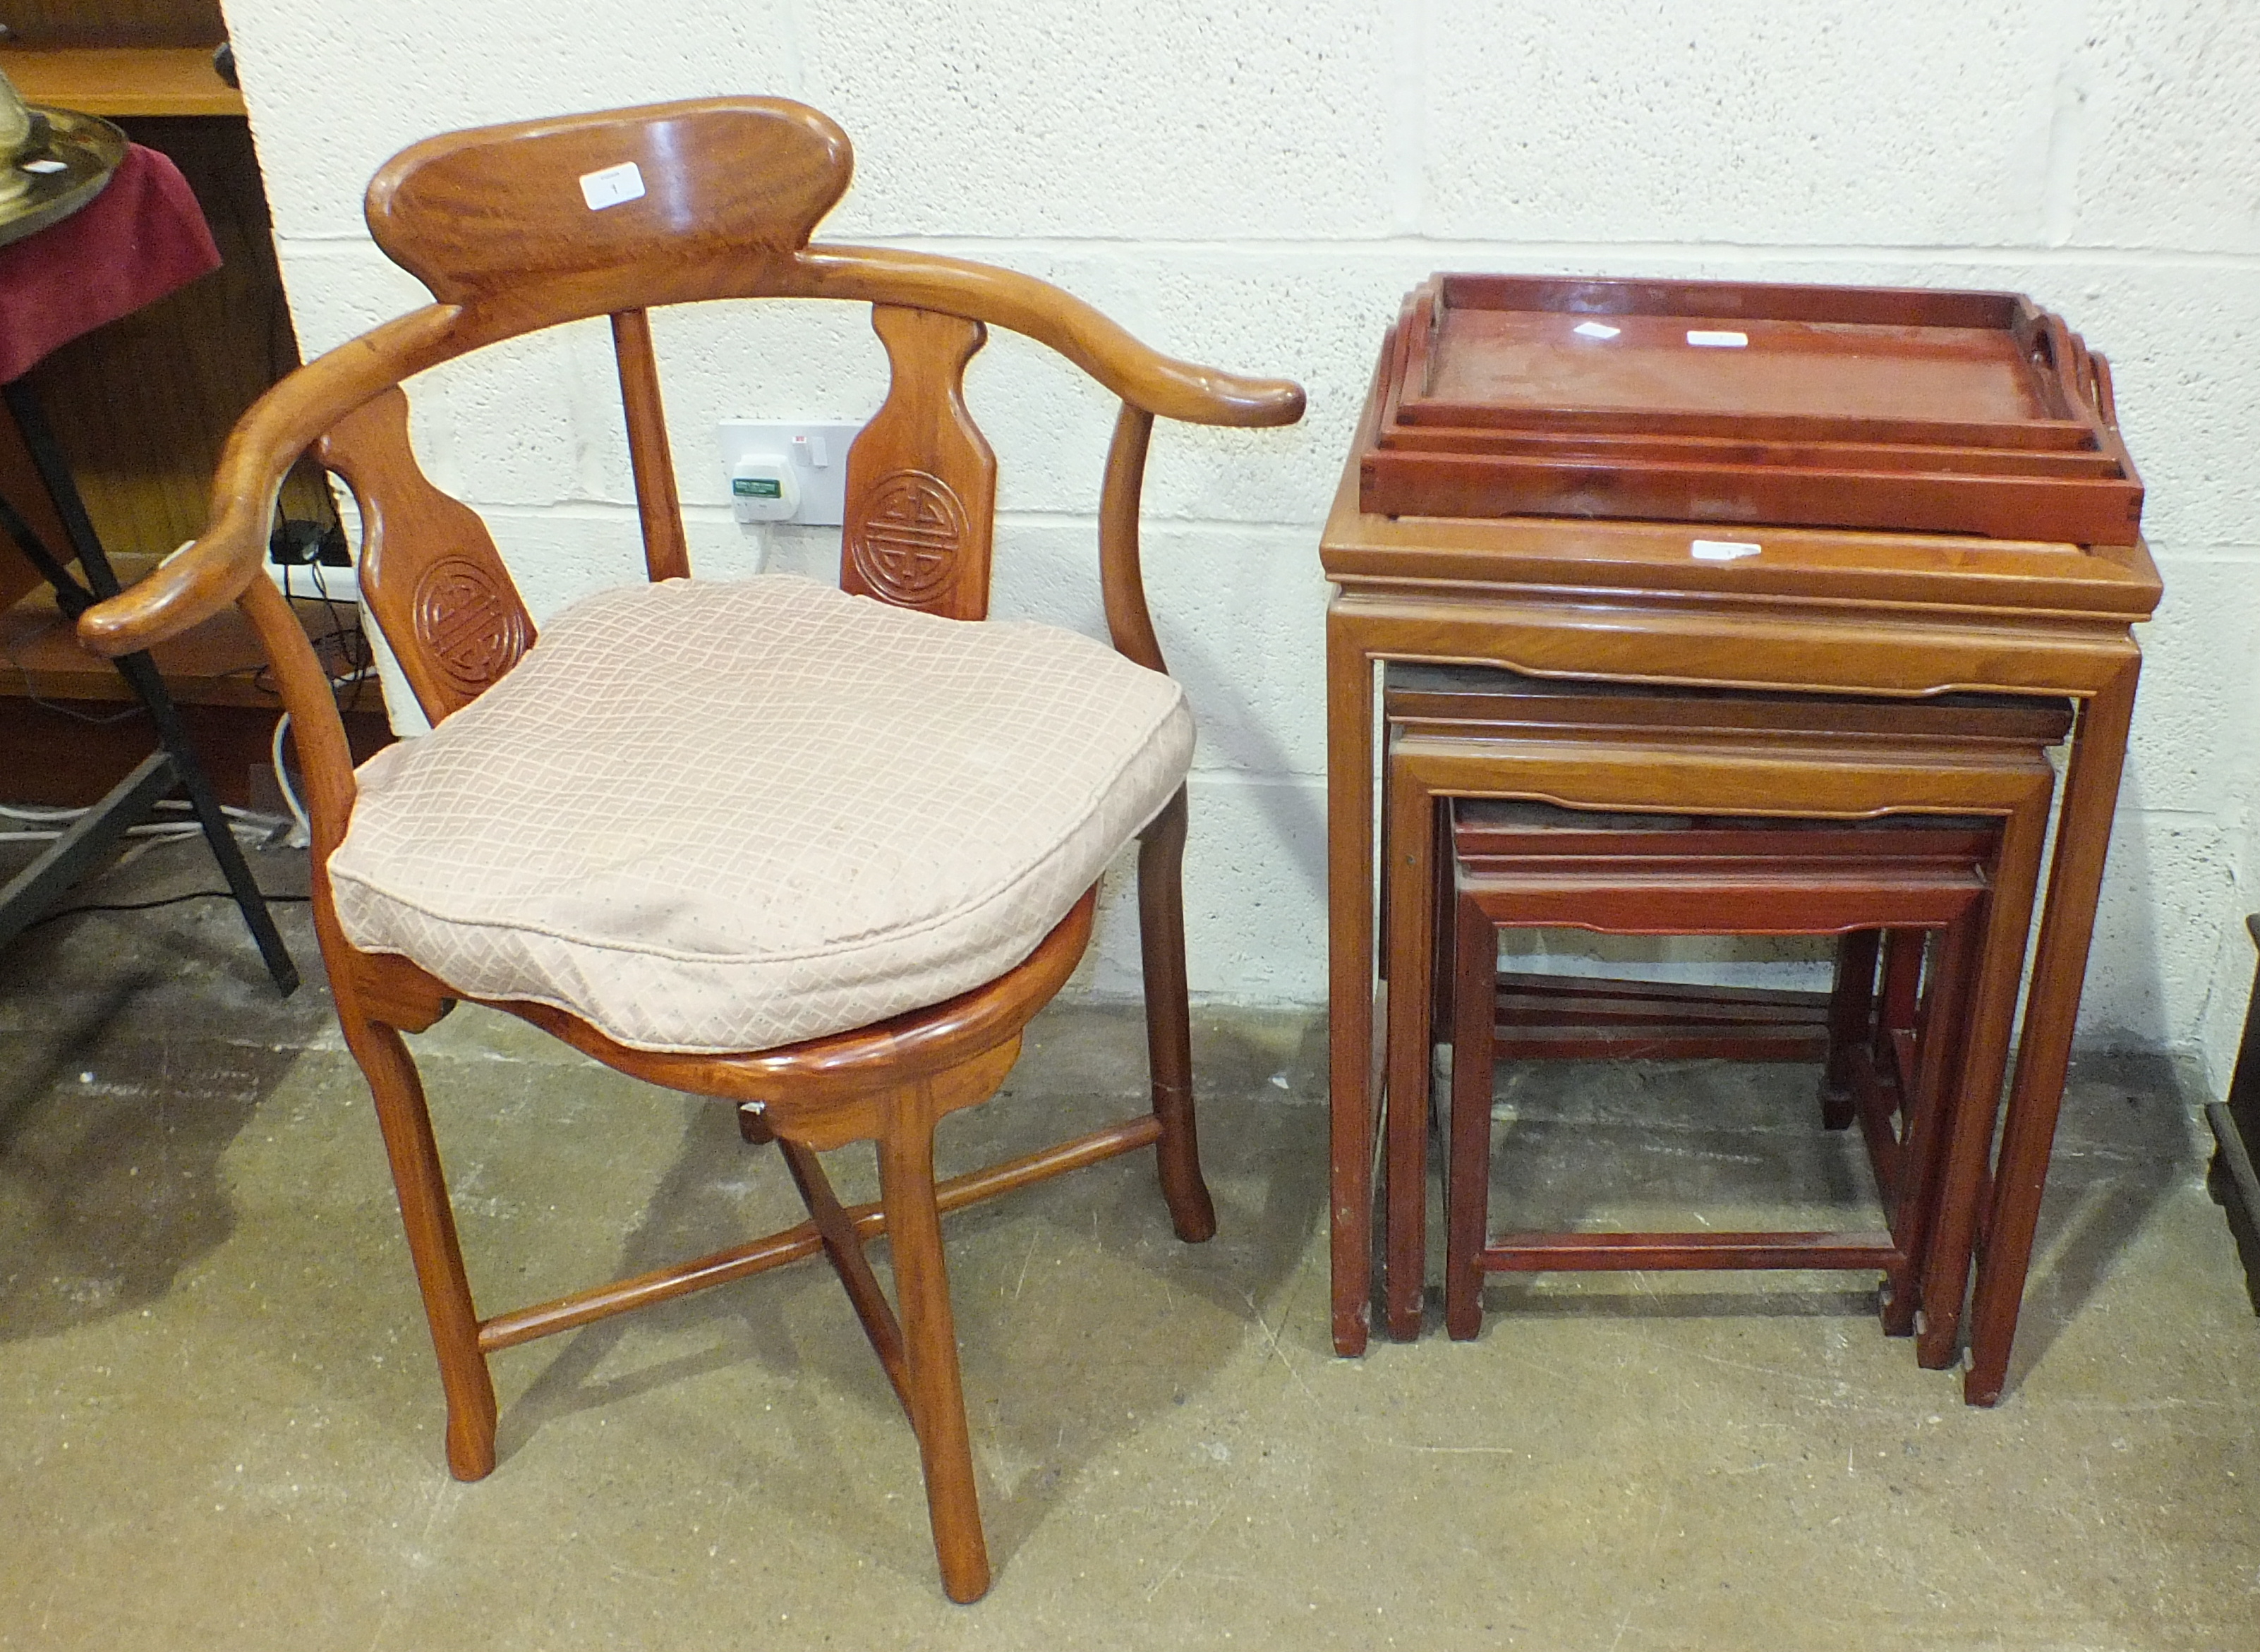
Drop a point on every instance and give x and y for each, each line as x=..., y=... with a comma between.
x=141, y=407
x=68, y=727
x=115, y=81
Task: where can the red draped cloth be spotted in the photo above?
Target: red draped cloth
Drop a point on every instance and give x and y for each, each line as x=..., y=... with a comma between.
x=142, y=237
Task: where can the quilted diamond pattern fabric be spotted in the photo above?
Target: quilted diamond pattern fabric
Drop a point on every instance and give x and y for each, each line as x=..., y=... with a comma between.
x=725, y=815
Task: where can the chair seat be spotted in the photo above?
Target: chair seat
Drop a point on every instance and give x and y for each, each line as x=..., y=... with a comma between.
x=710, y=816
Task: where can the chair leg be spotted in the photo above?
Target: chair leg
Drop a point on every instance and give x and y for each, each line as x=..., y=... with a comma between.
x=1442, y=966
x=930, y=1344
x=1169, y=1021
x=429, y=1219
x=843, y=1246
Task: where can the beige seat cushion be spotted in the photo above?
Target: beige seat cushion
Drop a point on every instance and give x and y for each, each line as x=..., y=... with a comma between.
x=728, y=815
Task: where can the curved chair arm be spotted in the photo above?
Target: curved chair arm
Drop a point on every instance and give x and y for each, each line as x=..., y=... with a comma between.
x=1136, y=371
x=212, y=571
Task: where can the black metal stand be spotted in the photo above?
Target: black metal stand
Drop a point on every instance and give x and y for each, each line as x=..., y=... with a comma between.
x=172, y=765
x=2237, y=1132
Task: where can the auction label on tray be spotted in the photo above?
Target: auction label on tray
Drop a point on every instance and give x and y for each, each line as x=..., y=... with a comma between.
x=1722, y=550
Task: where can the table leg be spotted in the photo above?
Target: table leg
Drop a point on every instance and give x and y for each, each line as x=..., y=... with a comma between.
x=1984, y=1060
x=1409, y=936
x=1474, y=963
x=139, y=671
x=2091, y=796
x=1851, y=1008
x=1350, y=976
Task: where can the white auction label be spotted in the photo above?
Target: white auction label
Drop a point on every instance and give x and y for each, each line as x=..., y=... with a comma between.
x=1707, y=340
x=611, y=186
x=1722, y=550
x=1595, y=329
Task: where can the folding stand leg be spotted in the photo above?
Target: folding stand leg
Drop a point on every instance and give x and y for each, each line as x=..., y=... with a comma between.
x=39, y=887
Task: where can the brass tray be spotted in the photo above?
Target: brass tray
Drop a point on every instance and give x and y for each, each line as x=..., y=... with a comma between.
x=67, y=171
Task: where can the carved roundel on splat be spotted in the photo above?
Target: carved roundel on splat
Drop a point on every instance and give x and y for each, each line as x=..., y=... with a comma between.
x=473, y=630
x=906, y=541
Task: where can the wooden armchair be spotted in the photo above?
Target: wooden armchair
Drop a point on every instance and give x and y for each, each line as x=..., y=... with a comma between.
x=909, y=741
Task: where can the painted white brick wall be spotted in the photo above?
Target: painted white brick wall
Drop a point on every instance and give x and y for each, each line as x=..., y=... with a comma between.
x=1255, y=187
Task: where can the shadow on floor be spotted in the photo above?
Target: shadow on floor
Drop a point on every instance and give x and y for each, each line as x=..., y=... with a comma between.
x=110, y=1153
x=133, y=1047
x=1124, y=1320
x=1648, y=1145
x=2126, y=1140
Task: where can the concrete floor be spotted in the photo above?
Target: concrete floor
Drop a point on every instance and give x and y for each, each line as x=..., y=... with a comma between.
x=220, y=1423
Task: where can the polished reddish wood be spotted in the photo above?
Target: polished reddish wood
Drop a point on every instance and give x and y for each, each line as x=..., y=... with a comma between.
x=2013, y=1196
x=1578, y=1018
x=497, y=223
x=2009, y=783
x=1903, y=617
x=733, y=188
x=1776, y=880
x=1482, y=701
x=1875, y=1062
x=1844, y=407
x=1483, y=697
x=1483, y=713
x=1851, y=1020
x=1122, y=581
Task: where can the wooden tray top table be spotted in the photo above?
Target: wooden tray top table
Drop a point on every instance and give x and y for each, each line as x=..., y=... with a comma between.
x=1812, y=609
x=1904, y=409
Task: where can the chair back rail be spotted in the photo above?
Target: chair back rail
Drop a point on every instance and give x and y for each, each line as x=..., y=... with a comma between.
x=288, y=418
x=723, y=180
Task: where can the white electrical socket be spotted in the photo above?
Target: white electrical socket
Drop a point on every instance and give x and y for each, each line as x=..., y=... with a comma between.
x=819, y=453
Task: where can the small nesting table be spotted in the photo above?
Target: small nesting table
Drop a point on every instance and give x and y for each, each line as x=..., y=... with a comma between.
x=1877, y=771
x=1813, y=610
x=1524, y=865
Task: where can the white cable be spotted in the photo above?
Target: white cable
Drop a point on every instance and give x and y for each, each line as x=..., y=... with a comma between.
x=304, y=833
x=135, y=850
x=251, y=815
x=145, y=838
x=169, y=829
x=37, y=813
x=162, y=830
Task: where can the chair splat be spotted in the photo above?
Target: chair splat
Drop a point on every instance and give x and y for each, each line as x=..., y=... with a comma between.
x=922, y=479
x=429, y=570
